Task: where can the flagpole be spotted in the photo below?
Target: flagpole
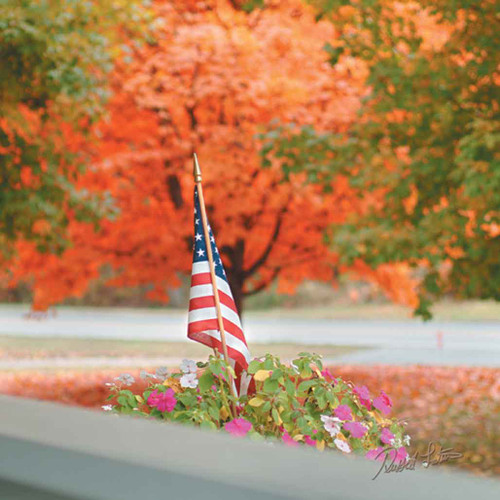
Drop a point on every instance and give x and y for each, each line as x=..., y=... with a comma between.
x=204, y=220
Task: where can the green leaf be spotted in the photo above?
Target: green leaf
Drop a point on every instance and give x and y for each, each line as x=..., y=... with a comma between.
x=253, y=366
x=206, y=381
x=271, y=386
x=306, y=385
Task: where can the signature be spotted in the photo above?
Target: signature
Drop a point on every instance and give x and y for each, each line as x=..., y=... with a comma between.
x=435, y=455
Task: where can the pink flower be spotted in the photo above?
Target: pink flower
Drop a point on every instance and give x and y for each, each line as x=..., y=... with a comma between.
x=376, y=454
x=238, y=427
x=163, y=401
x=288, y=440
x=386, y=398
x=327, y=374
x=356, y=429
x=364, y=395
x=309, y=441
x=343, y=412
x=398, y=455
x=386, y=436
x=383, y=403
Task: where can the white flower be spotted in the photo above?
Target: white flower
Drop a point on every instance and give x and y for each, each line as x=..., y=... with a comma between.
x=397, y=443
x=145, y=375
x=107, y=407
x=188, y=366
x=342, y=445
x=110, y=384
x=189, y=380
x=331, y=424
x=406, y=440
x=125, y=378
x=162, y=372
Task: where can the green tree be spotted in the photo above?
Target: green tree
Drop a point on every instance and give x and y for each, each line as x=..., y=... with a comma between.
x=54, y=58
x=424, y=153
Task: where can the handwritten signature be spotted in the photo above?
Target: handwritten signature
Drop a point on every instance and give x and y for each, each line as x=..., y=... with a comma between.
x=435, y=455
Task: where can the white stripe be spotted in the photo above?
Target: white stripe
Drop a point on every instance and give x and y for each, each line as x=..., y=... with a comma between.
x=232, y=342
x=202, y=267
x=198, y=291
x=210, y=313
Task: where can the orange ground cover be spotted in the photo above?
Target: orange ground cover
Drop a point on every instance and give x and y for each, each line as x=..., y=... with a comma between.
x=458, y=408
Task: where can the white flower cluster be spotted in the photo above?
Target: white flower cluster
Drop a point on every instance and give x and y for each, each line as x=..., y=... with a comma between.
x=331, y=425
x=125, y=378
x=189, y=379
x=161, y=374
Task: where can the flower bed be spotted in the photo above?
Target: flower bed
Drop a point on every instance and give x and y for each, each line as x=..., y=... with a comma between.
x=457, y=407
x=297, y=403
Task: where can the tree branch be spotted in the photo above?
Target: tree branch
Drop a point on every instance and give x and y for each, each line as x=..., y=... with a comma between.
x=263, y=284
x=265, y=254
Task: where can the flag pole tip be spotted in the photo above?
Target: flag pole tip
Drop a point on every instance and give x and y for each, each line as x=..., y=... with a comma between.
x=196, y=169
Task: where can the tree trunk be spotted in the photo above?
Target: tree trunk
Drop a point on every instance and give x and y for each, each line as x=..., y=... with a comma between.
x=235, y=272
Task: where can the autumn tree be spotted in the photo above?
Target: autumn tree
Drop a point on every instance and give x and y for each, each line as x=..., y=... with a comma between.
x=214, y=78
x=54, y=58
x=424, y=147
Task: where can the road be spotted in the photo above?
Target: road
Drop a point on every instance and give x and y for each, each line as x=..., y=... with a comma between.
x=393, y=342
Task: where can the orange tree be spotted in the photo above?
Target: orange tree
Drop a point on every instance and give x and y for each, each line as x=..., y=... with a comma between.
x=425, y=145
x=54, y=57
x=214, y=77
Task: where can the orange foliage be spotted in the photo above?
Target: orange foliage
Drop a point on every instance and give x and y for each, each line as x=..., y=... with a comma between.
x=214, y=78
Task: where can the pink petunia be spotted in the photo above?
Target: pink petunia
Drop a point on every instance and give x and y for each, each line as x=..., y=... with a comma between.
x=288, y=440
x=309, y=441
x=343, y=412
x=381, y=404
x=376, y=454
x=327, y=374
x=238, y=427
x=387, y=400
x=364, y=396
x=163, y=401
x=399, y=455
x=386, y=436
x=356, y=429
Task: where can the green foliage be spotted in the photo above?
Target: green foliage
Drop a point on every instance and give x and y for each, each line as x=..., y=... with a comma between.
x=54, y=61
x=293, y=402
x=426, y=143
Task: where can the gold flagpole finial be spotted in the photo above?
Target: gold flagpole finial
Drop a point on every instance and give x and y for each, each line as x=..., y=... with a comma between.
x=196, y=169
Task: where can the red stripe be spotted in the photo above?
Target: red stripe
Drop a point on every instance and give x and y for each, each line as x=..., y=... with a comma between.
x=209, y=301
x=201, y=279
x=209, y=341
x=213, y=324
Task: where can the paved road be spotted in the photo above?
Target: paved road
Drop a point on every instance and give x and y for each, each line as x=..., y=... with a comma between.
x=393, y=342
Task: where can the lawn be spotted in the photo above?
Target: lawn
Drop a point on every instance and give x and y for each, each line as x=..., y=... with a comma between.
x=17, y=347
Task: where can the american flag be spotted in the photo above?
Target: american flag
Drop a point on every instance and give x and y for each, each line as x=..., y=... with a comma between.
x=202, y=319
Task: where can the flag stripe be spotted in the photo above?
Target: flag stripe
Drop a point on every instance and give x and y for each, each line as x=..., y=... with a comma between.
x=202, y=296
x=206, y=279
x=211, y=319
x=211, y=312
x=211, y=338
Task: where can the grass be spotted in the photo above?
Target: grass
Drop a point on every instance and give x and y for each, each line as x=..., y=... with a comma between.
x=473, y=310
x=16, y=347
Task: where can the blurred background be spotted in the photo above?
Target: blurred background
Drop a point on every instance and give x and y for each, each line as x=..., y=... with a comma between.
x=350, y=161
